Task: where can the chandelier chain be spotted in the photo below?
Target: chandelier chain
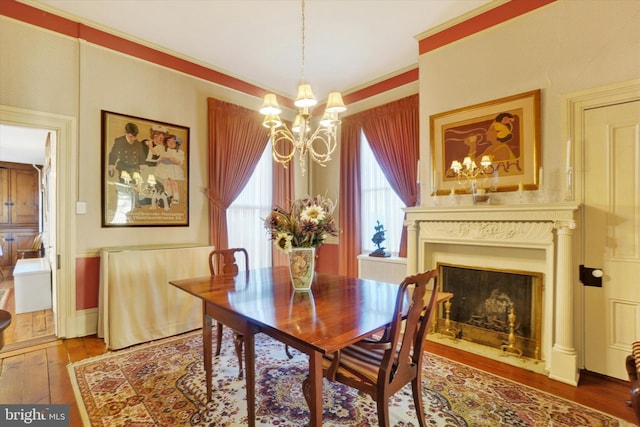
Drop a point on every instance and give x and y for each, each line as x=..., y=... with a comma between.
x=303, y=46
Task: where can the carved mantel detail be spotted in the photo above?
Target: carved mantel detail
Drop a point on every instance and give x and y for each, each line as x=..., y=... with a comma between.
x=490, y=231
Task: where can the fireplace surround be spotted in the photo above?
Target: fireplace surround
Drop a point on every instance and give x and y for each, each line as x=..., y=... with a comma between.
x=536, y=238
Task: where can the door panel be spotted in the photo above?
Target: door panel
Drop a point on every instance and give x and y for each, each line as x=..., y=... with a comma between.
x=25, y=192
x=4, y=196
x=612, y=235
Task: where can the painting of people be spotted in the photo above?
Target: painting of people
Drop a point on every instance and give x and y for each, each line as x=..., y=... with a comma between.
x=145, y=166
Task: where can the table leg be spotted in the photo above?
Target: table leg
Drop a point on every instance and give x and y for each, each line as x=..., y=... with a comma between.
x=315, y=385
x=250, y=368
x=207, y=323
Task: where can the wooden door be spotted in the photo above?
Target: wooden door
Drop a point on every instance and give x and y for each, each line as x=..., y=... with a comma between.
x=4, y=195
x=5, y=242
x=25, y=195
x=612, y=234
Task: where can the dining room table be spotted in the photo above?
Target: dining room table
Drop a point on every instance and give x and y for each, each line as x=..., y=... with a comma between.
x=337, y=312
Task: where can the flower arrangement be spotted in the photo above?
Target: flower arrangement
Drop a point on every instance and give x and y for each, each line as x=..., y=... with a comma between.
x=306, y=224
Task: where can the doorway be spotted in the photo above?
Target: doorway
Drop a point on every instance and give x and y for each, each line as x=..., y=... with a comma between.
x=61, y=225
x=28, y=234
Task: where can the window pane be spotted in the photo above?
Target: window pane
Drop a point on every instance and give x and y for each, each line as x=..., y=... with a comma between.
x=246, y=214
x=379, y=203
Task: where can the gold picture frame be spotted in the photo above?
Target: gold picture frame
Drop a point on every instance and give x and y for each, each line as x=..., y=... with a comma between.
x=145, y=172
x=506, y=129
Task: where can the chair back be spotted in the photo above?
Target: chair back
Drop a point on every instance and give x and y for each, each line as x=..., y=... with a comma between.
x=37, y=242
x=224, y=261
x=404, y=360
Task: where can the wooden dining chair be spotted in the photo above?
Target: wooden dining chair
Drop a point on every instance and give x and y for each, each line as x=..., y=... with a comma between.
x=224, y=261
x=381, y=367
x=33, y=249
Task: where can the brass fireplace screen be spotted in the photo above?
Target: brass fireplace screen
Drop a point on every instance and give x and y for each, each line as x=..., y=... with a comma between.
x=483, y=300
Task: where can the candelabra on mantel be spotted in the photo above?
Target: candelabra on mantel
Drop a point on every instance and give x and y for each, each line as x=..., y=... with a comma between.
x=470, y=175
x=568, y=194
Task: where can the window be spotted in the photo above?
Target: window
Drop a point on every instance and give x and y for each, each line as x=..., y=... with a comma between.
x=379, y=203
x=246, y=214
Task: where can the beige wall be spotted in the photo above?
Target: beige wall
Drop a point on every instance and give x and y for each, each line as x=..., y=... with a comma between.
x=561, y=48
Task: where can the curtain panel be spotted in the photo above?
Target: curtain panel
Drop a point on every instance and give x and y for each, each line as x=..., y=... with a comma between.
x=349, y=200
x=236, y=142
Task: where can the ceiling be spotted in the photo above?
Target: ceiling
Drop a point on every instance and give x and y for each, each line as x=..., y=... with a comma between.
x=348, y=43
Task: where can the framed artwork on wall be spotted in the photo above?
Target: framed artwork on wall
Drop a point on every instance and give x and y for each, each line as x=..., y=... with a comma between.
x=501, y=138
x=145, y=172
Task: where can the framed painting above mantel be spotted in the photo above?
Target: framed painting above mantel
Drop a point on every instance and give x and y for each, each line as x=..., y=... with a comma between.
x=145, y=172
x=504, y=131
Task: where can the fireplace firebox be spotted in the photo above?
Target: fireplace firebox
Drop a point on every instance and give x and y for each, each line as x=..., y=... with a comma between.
x=482, y=304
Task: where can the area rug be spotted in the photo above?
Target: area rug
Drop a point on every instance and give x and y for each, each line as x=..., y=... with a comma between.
x=163, y=384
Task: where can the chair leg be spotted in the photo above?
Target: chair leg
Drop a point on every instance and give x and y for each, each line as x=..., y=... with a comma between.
x=219, y=335
x=416, y=387
x=383, y=412
x=306, y=390
x=237, y=341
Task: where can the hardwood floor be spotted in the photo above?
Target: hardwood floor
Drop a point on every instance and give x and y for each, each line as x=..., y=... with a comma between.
x=26, y=329
x=39, y=375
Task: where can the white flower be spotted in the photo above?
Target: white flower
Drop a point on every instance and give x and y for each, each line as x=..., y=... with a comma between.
x=283, y=242
x=313, y=213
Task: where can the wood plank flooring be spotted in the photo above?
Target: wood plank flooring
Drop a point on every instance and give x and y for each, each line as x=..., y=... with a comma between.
x=26, y=329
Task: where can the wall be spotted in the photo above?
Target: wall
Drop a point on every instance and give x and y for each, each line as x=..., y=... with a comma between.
x=561, y=48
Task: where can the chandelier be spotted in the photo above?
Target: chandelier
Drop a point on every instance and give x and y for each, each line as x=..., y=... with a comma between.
x=318, y=145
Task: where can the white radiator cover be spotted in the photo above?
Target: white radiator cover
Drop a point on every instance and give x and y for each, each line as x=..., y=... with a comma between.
x=390, y=270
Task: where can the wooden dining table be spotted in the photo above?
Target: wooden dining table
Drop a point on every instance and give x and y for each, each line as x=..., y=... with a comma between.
x=337, y=312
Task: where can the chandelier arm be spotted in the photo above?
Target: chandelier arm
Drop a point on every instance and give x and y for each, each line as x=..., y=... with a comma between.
x=279, y=135
x=327, y=137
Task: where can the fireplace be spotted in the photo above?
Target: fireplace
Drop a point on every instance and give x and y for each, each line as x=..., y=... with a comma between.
x=483, y=301
x=534, y=240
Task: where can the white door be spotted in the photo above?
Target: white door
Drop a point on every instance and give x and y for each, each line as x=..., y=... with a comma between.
x=612, y=234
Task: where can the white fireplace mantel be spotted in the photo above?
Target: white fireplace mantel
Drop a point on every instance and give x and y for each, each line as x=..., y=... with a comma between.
x=528, y=237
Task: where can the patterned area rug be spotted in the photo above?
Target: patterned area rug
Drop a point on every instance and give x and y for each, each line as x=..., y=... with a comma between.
x=163, y=384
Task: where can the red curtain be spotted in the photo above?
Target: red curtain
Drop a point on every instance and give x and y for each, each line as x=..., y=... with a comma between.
x=349, y=202
x=236, y=142
x=392, y=131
